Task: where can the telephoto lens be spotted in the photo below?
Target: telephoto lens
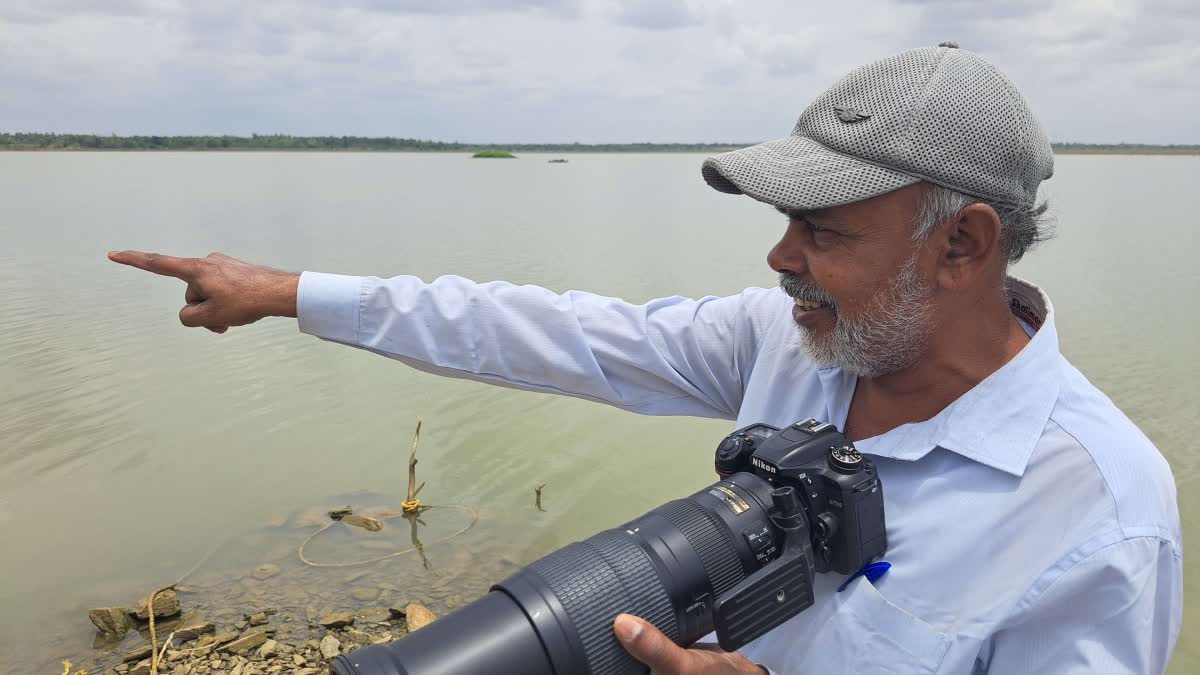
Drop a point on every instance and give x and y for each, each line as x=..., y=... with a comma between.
x=669, y=567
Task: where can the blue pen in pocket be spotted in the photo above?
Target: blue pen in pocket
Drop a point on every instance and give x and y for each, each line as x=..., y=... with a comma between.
x=872, y=571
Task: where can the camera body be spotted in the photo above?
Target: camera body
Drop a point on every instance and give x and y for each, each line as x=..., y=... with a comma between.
x=825, y=515
x=838, y=488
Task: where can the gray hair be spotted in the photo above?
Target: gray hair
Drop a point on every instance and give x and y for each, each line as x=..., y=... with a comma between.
x=1021, y=227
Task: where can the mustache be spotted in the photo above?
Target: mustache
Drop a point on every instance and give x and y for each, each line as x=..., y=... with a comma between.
x=798, y=287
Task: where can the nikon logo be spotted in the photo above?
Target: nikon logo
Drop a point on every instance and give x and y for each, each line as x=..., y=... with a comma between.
x=762, y=465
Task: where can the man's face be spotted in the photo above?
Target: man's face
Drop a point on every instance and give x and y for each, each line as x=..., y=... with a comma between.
x=863, y=302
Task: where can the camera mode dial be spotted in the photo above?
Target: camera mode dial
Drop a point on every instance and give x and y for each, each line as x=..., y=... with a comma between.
x=845, y=458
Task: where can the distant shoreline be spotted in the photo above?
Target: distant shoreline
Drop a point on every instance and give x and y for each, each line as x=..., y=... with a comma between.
x=228, y=151
x=36, y=142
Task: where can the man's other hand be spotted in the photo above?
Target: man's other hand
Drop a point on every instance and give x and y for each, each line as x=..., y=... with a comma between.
x=648, y=645
x=221, y=291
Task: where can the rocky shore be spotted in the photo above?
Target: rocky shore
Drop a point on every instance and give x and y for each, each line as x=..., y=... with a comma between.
x=254, y=605
x=262, y=643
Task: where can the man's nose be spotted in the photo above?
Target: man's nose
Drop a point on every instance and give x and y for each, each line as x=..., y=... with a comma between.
x=788, y=255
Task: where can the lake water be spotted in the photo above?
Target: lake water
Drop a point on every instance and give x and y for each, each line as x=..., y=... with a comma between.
x=132, y=449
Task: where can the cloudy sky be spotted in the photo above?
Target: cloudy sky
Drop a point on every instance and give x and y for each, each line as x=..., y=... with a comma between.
x=591, y=71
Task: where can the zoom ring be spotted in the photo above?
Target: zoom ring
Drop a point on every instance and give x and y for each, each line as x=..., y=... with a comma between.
x=710, y=540
x=648, y=597
x=597, y=579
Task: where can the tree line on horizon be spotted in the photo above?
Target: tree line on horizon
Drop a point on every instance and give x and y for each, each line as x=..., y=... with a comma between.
x=285, y=142
x=40, y=141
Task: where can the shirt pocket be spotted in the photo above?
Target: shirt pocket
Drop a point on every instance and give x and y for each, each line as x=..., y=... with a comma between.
x=891, y=640
x=865, y=634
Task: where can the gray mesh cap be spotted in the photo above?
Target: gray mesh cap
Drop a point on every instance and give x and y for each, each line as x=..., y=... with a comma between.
x=939, y=114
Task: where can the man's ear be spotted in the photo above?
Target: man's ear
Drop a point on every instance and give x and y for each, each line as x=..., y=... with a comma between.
x=970, y=245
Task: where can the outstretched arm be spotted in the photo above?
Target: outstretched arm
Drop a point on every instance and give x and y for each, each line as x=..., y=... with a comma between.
x=668, y=356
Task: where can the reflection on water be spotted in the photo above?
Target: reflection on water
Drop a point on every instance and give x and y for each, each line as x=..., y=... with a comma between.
x=338, y=544
x=131, y=448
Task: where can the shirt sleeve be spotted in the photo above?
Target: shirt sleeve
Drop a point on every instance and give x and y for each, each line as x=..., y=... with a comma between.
x=671, y=356
x=1117, y=610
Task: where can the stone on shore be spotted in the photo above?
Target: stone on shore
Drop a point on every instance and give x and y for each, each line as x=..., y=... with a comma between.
x=111, y=620
x=330, y=647
x=417, y=616
x=268, y=649
x=257, y=619
x=193, y=631
x=336, y=620
x=365, y=522
x=138, y=654
x=246, y=642
x=202, y=651
x=374, y=615
x=166, y=603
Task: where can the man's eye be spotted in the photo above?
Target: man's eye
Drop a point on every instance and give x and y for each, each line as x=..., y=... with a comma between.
x=813, y=229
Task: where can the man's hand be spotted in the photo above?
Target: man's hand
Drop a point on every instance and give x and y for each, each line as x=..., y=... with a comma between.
x=648, y=645
x=222, y=291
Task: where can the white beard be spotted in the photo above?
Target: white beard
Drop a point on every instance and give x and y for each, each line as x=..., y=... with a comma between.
x=891, y=335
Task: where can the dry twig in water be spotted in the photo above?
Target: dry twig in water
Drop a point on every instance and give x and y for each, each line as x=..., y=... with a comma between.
x=153, y=640
x=412, y=463
x=165, y=645
x=412, y=504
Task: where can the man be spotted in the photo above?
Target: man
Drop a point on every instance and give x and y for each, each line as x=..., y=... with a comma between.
x=1031, y=527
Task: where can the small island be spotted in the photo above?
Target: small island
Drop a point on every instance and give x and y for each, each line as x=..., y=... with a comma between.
x=494, y=154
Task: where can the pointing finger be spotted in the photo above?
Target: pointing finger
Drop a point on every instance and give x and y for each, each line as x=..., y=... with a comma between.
x=169, y=266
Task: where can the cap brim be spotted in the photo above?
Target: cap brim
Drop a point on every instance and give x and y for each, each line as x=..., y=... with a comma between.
x=799, y=173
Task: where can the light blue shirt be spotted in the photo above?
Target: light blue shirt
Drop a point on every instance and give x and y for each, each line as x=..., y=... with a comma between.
x=1032, y=528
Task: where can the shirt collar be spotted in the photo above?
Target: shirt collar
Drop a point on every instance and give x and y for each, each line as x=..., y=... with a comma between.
x=997, y=422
